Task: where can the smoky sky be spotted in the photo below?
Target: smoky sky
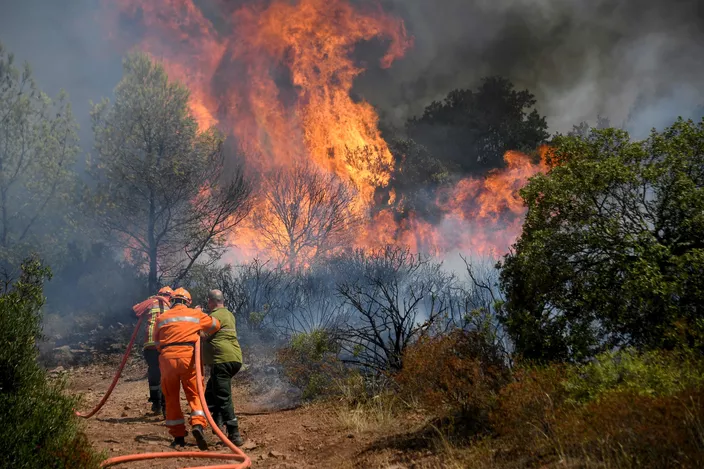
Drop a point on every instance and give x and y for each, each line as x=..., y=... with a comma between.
x=65, y=45
x=638, y=62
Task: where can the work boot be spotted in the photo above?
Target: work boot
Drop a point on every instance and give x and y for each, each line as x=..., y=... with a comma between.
x=200, y=437
x=233, y=432
x=179, y=441
x=154, y=399
x=217, y=417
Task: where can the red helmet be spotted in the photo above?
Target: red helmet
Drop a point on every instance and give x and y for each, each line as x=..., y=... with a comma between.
x=166, y=291
x=182, y=294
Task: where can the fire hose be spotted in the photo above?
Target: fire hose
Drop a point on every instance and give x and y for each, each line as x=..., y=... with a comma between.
x=117, y=375
x=238, y=454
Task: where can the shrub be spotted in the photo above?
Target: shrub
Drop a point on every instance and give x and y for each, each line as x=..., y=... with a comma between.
x=39, y=428
x=625, y=409
x=527, y=407
x=626, y=428
x=457, y=375
x=650, y=373
x=311, y=363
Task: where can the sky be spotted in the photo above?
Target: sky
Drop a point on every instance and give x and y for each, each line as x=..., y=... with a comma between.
x=638, y=62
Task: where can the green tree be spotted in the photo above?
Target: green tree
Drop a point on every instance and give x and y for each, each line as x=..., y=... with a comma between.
x=471, y=130
x=38, y=148
x=39, y=427
x=612, y=251
x=162, y=192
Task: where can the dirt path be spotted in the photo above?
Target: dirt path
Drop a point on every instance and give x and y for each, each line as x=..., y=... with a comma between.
x=309, y=436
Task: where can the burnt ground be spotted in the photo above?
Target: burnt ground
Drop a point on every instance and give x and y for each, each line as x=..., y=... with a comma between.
x=276, y=436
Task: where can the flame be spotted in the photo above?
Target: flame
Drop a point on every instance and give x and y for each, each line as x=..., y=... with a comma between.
x=277, y=75
x=483, y=216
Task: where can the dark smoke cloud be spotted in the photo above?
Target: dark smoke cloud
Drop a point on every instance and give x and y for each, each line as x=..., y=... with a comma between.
x=639, y=62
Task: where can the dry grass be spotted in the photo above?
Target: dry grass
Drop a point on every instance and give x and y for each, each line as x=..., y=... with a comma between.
x=378, y=414
x=642, y=411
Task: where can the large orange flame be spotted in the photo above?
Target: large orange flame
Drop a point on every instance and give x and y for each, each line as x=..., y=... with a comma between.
x=277, y=75
x=481, y=216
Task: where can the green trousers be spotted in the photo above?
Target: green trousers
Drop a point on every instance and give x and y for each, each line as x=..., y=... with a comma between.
x=218, y=391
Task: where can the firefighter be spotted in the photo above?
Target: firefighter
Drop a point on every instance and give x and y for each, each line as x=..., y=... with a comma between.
x=154, y=306
x=177, y=332
x=223, y=354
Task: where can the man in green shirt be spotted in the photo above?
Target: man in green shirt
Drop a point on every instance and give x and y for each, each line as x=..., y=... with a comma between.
x=223, y=354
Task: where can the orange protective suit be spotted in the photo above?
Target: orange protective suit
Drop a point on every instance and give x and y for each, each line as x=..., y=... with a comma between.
x=176, y=333
x=153, y=307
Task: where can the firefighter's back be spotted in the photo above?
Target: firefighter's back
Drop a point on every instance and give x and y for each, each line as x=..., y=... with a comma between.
x=178, y=330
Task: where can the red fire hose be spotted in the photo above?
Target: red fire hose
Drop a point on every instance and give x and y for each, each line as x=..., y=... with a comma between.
x=117, y=375
x=238, y=454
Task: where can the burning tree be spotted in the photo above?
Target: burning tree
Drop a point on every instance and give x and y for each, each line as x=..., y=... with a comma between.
x=472, y=130
x=160, y=191
x=398, y=296
x=306, y=213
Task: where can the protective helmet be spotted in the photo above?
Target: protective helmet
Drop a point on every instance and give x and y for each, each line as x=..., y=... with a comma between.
x=166, y=291
x=182, y=294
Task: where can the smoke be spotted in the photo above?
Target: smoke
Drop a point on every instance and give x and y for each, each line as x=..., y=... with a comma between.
x=67, y=48
x=637, y=62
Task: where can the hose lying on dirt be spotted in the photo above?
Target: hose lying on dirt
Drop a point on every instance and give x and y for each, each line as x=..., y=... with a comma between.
x=117, y=374
x=238, y=455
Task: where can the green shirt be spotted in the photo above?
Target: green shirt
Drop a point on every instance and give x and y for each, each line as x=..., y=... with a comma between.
x=223, y=346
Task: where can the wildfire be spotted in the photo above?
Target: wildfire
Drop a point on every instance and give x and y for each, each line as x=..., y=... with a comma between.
x=277, y=76
x=482, y=216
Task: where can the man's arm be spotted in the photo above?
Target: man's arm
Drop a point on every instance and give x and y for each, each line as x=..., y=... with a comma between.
x=208, y=325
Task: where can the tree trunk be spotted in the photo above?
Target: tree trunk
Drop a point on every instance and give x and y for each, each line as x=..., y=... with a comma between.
x=152, y=244
x=292, y=258
x=5, y=227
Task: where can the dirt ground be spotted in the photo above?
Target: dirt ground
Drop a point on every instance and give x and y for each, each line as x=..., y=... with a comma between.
x=303, y=437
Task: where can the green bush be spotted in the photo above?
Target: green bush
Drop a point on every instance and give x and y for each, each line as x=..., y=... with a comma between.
x=626, y=409
x=311, y=363
x=654, y=373
x=536, y=426
x=39, y=427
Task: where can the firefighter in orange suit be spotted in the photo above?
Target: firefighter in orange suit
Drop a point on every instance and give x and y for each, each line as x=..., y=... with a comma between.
x=177, y=332
x=154, y=306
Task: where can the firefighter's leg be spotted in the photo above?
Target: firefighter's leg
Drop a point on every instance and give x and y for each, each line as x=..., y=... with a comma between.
x=223, y=391
x=154, y=378
x=210, y=399
x=170, y=385
x=223, y=388
x=188, y=380
x=197, y=421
